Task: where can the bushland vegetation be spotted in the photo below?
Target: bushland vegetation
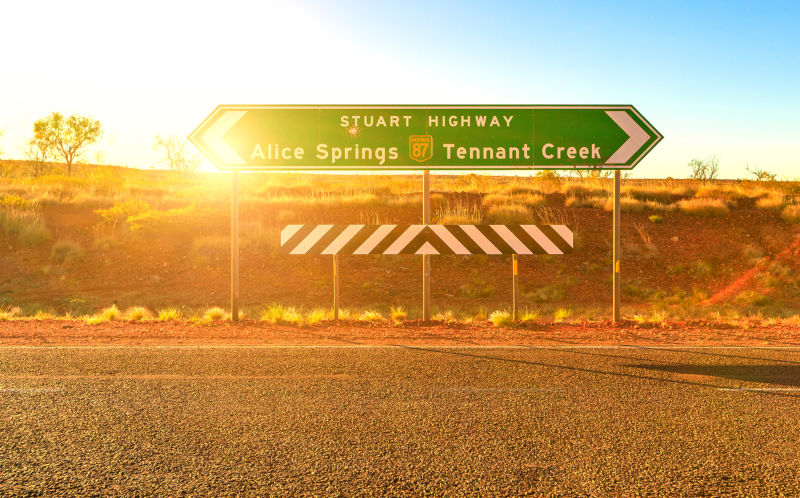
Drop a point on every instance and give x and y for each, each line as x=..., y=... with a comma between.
x=109, y=226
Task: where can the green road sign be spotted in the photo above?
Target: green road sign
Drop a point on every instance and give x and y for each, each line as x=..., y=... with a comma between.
x=425, y=137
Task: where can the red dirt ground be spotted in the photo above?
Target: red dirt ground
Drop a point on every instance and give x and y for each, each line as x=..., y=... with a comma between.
x=77, y=333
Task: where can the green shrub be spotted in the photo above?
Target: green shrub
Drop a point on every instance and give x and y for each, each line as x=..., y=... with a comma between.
x=66, y=251
x=655, y=218
x=119, y=213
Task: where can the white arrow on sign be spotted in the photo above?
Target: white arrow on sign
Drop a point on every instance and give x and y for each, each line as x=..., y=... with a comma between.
x=637, y=137
x=214, y=141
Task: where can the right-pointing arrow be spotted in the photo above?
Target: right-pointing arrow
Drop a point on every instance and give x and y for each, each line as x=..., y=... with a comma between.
x=637, y=137
x=214, y=141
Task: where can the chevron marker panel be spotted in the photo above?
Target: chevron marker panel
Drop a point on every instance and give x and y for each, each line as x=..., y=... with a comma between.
x=426, y=239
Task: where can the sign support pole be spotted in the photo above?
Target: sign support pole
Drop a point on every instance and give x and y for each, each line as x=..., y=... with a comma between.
x=515, y=286
x=617, y=255
x=335, y=288
x=235, y=246
x=426, y=258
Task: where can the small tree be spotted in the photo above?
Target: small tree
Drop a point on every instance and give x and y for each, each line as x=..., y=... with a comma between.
x=175, y=154
x=66, y=138
x=704, y=169
x=761, y=175
x=37, y=154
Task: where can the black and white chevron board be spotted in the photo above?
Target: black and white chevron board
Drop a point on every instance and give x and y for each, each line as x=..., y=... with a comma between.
x=426, y=239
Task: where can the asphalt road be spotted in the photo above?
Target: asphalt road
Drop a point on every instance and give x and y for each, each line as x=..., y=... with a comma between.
x=399, y=420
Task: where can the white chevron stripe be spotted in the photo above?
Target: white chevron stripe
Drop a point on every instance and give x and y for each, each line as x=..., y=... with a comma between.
x=511, y=239
x=343, y=238
x=449, y=239
x=427, y=248
x=565, y=233
x=403, y=240
x=288, y=232
x=213, y=137
x=480, y=239
x=373, y=240
x=311, y=239
x=636, y=137
x=542, y=239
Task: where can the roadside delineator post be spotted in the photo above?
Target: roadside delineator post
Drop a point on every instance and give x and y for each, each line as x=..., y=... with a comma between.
x=617, y=255
x=426, y=258
x=515, y=286
x=235, y=246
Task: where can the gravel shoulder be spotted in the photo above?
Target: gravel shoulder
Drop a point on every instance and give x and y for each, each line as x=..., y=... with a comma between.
x=77, y=332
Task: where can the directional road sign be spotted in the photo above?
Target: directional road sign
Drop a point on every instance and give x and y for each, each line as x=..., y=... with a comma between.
x=425, y=137
x=426, y=239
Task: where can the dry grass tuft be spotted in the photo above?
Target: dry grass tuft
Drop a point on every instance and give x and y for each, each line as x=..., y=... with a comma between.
x=447, y=317
x=529, y=316
x=508, y=214
x=576, y=201
x=626, y=205
x=370, y=316
x=111, y=313
x=562, y=314
x=772, y=200
x=705, y=207
x=215, y=314
x=791, y=213
x=398, y=314
x=646, y=238
x=169, y=315
x=501, y=318
x=460, y=213
x=138, y=313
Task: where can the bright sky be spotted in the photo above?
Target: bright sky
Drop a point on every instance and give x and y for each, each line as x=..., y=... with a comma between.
x=714, y=77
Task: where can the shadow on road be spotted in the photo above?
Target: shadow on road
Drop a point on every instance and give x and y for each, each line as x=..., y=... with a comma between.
x=753, y=373
x=784, y=375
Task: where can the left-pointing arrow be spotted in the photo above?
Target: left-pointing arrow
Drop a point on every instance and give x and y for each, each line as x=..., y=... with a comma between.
x=637, y=137
x=213, y=137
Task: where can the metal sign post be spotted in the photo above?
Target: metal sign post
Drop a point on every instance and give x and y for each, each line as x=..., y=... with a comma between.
x=235, y=246
x=616, y=255
x=515, y=286
x=426, y=258
x=335, y=287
